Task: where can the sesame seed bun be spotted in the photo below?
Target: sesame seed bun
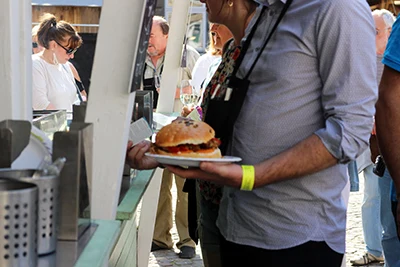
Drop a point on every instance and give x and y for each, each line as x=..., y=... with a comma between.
x=184, y=131
x=185, y=137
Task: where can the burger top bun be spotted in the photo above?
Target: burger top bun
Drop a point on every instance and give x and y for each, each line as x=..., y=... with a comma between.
x=184, y=131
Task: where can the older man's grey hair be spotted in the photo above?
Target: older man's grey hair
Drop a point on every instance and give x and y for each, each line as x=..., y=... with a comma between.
x=163, y=24
x=386, y=15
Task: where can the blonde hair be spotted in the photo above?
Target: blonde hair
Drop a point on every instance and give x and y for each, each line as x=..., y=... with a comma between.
x=211, y=49
x=34, y=31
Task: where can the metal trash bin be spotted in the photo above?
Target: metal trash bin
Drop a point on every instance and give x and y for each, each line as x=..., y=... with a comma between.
x=18, y=223
x=48, y=206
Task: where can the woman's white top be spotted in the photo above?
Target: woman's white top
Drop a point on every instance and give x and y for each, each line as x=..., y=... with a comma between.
x=53, y=84
x=200, y=70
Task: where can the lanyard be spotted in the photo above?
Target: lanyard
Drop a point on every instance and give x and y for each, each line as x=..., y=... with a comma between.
x=246, y=44
x=234, y=81
x=155, y=71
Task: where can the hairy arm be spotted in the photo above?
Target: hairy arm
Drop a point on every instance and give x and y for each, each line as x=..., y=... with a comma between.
x=308, y=156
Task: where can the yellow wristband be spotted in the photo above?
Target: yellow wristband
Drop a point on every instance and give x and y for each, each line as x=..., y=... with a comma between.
x=247, y=178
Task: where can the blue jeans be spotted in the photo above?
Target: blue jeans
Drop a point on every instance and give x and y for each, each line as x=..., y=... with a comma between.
x=370, y=212
x=390, y=242
x=353, y=175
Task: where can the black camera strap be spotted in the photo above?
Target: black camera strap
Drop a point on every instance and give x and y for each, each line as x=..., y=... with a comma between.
x=229, y=108
x=246, y=44
x=233, y=80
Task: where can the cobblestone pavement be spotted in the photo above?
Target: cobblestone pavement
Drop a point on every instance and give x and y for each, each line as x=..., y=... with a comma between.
x=355, y=246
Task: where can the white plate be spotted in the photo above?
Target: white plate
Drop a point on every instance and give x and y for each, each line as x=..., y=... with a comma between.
x=190, y=162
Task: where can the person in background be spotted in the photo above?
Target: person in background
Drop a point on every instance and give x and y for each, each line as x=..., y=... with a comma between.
x=36, y=47
x=218, y=34
x=202, y=65
x=53, y=83
x=388, y=114
x=376, y=207
x=154, y=65
x=307, y=112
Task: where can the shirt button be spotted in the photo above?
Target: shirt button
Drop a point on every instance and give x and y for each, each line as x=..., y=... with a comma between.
x=258, y=49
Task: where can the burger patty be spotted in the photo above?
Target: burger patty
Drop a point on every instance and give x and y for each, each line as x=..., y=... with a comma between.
x=213, y=143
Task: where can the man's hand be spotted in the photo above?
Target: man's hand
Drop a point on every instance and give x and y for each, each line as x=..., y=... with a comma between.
x=398, y=218
x=224, y=174
x=136, y=159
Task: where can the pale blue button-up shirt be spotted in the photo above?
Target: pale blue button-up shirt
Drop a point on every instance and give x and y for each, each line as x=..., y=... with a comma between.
x=317, y=76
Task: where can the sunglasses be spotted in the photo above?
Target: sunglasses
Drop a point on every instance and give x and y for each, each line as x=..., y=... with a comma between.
x=69, y=51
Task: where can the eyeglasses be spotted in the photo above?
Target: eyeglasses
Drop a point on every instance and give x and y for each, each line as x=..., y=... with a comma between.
x=378, y=31
x=69, y=51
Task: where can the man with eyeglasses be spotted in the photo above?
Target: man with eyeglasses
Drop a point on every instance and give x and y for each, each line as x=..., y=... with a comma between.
x=154, y=65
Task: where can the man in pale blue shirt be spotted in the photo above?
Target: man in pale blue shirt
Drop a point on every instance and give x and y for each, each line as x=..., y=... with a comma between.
x=308, y=111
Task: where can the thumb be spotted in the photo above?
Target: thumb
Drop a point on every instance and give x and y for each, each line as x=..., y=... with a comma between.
x=130, y=143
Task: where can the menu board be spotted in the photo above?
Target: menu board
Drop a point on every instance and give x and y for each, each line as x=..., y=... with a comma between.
x=150, y=7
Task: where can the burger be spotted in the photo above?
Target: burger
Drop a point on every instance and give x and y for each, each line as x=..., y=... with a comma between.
x=185, y=137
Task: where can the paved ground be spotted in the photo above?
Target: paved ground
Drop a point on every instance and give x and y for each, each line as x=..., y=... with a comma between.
x=355, y=242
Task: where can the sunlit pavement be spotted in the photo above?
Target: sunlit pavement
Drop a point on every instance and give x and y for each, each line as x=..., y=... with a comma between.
x=355, y=246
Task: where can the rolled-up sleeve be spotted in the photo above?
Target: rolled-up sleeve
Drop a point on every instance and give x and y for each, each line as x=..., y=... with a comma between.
x=346, y=45
x=40, y=100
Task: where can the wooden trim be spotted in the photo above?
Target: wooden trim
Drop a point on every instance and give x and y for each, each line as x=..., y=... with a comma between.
x=71, y=14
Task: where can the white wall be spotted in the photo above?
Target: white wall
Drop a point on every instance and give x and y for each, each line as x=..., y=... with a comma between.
x=15, y=60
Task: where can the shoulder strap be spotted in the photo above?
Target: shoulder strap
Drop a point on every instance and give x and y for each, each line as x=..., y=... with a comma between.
x=73, y=81
x=227, y=44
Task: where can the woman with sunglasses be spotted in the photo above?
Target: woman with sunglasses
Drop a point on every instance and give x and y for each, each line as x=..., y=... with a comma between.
x=53, y=79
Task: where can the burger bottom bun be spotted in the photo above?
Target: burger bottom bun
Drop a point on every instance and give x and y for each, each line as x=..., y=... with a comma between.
x=213, y=154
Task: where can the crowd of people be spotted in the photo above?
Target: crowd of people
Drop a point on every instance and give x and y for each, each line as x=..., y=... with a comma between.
x=290, y=87
x=294, y=96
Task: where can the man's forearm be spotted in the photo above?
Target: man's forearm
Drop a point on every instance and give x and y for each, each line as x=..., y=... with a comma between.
x=307, y=157
x=388, y=122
